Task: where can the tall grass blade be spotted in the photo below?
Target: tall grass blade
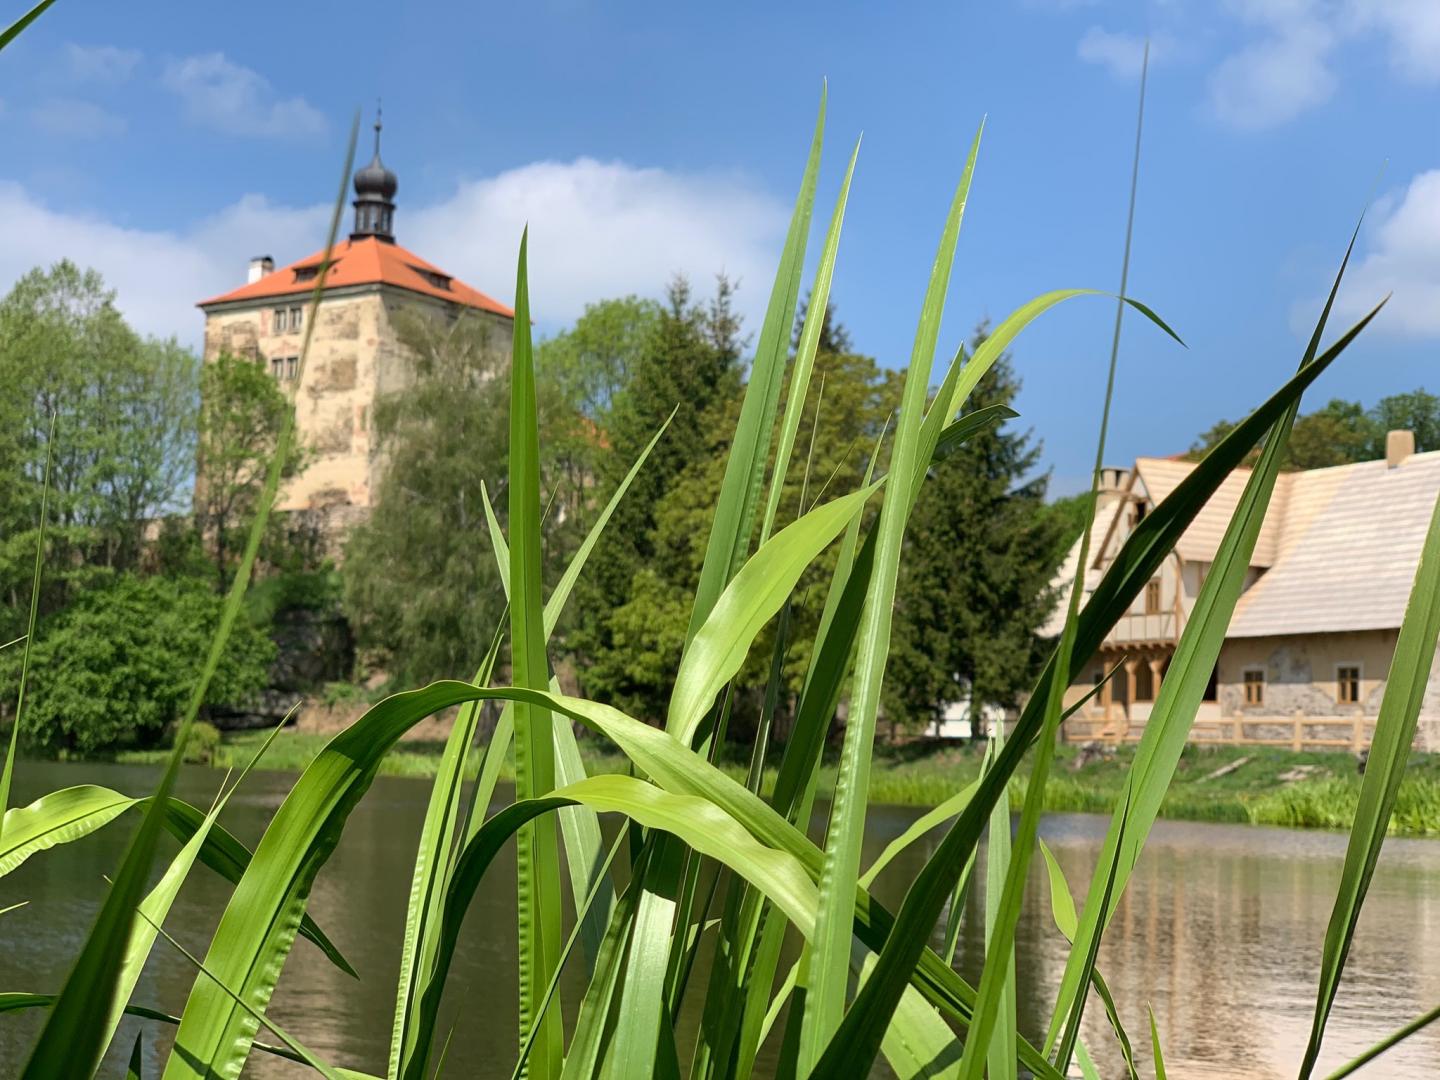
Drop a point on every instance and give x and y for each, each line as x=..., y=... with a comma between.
x=996, y=983
x=581, y=920
x=291, y=1043
x=1394, y=1038
x=828, y=974
x=815, y=310
x=70, y=1041
x=726, y=549
x=157, y=904
x=731, y=530
x=538, y=854
x=1167, y=731
x=1000, y=1057
x=9, y=771
x=1062, y=908
x=749, y=602
x=1405, y=686
x=10, y=32
x=433, y=860
x=1155, y=1048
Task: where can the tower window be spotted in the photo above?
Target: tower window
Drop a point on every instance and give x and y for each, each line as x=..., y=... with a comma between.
x=277, y=367
x=277, y=321
x=292, y=367
x=1152, y=597
x=297, y=317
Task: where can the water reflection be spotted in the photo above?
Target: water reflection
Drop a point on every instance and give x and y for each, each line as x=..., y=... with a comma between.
x=1219, y=933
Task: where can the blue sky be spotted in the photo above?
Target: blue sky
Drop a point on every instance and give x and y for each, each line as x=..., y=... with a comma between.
x=168, y=145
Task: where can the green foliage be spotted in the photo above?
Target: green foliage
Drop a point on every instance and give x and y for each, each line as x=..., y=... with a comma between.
x=116, y=667
x=686, y=362
x=1342, y=431
x=975, y=580
x=445, y=437
x=243, y=410
x=203, y=744
x=689, y=822
x=124, y=409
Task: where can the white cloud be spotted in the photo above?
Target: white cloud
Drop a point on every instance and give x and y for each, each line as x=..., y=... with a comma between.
x=1403, y=259
x=1119, y=53
x=1284, y=65
x=158, y=275
x=600, y=229
x=233, y=99
x=74, y=119
x=1276, y=79
x=100, y=63
x=596, y=230
x=1412, y=28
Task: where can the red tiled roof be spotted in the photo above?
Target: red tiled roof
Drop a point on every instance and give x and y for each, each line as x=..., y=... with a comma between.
x=364, y=262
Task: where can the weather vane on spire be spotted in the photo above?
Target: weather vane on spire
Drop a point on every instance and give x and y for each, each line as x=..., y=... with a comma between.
x=377, y=126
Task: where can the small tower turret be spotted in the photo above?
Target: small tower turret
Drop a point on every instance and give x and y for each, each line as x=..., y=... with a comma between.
x=375, y=188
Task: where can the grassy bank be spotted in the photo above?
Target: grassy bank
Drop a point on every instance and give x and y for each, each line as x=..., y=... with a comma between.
x=1260, y=785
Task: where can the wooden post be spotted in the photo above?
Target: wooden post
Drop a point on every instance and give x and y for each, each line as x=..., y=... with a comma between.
x=1132, y=665
x=1106, y=695
x=1357, y=734
x=1157, y=665
x=1298, y=742
x=1239, y=736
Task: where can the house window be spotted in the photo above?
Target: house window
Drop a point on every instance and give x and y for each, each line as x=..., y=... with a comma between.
x=1254, y=679
x=1152, y=597
x=277, y=367
x=1144, y=682
x=297, y=317
x=1211, y=686
x=277, y=321
x=1347, y=684
x=292, y=367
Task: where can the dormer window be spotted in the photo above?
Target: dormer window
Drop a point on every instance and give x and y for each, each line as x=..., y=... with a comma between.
x=434, y=277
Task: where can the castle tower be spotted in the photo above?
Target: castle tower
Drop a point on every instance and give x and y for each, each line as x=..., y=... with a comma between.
x=355, y=354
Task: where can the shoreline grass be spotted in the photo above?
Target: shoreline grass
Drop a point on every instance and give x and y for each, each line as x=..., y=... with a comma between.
x=1266, y=789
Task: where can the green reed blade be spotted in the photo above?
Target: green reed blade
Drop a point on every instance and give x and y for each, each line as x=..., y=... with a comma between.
x=816, y=307
x=1155, y=1047
x=731, y=529
x=10, y=32
x=1000, y=1050
x=538, y=854
x=434, y=857
x=1062, y=909
x=1132, y=566
x=69, y=1040
x=749, y=602
x=1168, y=729
x=157, y=904
x=1405, y=688
x=828, y=974
x=1395, y=1037
x=7, y=774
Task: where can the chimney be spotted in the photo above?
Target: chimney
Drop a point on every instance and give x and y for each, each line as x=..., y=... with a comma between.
x=259, y=267
x=1399, y=445
x=1112, y=484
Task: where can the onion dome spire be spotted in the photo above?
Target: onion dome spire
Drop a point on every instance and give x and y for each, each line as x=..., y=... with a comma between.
x=375, y=188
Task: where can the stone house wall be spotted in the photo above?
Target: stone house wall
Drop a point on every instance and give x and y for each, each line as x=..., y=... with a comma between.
x=355, y=356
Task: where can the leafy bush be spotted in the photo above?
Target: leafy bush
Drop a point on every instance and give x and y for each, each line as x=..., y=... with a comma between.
x=202, y=744
x=115, y=668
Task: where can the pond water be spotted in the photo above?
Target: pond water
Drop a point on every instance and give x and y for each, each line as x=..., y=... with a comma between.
x=1219, y=932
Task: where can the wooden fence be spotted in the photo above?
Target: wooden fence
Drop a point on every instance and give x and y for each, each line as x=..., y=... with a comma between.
x=1293, y=732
